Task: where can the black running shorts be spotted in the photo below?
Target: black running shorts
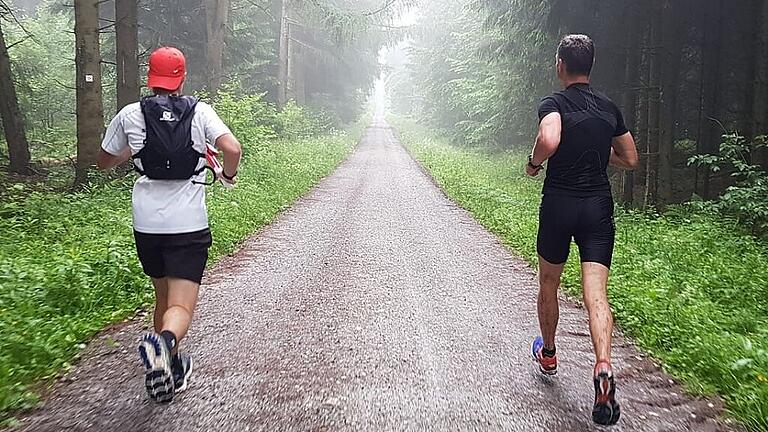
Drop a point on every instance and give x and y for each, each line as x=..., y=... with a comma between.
x=180, y=256
x=588, y=221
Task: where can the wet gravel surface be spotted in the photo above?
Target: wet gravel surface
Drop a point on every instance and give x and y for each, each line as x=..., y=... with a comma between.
x=373, y=304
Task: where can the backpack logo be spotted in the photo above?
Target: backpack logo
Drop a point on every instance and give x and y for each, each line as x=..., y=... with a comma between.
x=167, y=117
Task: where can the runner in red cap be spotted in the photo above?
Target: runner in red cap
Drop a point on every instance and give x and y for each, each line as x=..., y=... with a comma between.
x=166, y=135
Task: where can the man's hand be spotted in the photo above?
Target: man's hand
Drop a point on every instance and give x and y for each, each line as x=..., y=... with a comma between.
x=107, y=161
x=531, y=171
x=232, y=151
x=531, y=168
x=228, y=182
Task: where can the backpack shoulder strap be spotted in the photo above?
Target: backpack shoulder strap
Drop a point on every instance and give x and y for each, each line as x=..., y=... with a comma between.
x=147, y=103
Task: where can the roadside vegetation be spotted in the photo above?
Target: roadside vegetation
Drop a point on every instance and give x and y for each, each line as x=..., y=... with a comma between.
x=689, y=286
x=67, y=261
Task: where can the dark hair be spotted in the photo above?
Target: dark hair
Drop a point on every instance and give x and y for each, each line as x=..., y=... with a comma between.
x=578, y=54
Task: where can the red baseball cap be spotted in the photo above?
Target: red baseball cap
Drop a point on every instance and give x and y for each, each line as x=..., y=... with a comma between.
x=167, y=69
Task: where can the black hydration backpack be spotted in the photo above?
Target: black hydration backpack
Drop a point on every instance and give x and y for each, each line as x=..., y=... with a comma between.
x=168, y=152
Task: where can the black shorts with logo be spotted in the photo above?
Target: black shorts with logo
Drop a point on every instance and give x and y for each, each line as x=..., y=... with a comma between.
x=180, y=256
x=588, y=221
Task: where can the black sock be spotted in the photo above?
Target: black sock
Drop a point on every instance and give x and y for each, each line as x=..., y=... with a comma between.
x=170, y=340
x=176, y=363
x=549, y=353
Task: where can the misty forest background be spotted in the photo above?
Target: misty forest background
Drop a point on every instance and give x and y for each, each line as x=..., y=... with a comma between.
x=463, y=79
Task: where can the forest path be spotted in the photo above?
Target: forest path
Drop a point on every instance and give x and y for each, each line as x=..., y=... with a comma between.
x=374, y=303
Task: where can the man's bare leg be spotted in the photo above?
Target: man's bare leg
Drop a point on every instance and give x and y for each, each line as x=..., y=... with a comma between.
x=161, y=302
x=181, y=302
x=548, y=305
x=167, y=372
x=594, y=280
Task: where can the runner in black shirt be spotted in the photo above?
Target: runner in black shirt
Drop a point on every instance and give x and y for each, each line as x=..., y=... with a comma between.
x=581, y=132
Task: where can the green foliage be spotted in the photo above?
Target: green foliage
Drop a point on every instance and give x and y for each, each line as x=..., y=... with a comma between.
x=252, y=119
x=687, y=286
x=257, y=121
x=347, y=21
x=747, y=199
x=250, y=46
x=476, y=72
x=67, y=261
x=339, y=41
x=43, y=68
x=295, y=121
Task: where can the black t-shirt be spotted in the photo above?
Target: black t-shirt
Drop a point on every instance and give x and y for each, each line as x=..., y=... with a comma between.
x=590, y=121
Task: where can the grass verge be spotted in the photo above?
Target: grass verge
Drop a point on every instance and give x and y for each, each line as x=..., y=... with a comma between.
x=68, y=265
x=688, y=288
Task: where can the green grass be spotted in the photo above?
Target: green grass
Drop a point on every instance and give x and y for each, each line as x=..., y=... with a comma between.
x=68, y=266
x=688, y=288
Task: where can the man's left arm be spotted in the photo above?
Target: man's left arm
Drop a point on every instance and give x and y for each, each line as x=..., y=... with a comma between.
x=547, y=142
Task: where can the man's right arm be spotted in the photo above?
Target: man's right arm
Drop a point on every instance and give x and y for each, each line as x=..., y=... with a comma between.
x=624, y=152
x=114, y=149
x=548, y=139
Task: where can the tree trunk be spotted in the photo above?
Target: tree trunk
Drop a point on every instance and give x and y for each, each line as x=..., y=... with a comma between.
x=299, y=73
x=654, y=105
x=127, y=59
x=671, y=59
x=216, y=17
x=760, y=80
x=294, y=80
x=759, y=109
x=630, y=93
x=630, y=114
x=642, y=112
x=283, y=56
x=711, y=131
x=13, y=123
x=90, y=112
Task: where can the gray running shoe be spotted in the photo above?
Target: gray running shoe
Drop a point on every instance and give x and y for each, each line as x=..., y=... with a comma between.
x=156, y=357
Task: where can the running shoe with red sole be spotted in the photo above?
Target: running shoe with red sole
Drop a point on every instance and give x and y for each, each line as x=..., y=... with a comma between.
x=606, y=410
x=547, y=365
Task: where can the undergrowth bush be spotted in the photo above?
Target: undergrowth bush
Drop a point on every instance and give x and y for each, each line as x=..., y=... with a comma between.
x=747, y=199
x=295, y=121
x=255, y=120
x=250, y=117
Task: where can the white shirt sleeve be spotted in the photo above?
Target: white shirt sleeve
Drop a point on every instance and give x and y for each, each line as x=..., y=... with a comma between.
x=214, y=126
x=115, y=140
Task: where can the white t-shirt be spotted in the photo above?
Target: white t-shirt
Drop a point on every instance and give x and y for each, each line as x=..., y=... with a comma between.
x=165, y=206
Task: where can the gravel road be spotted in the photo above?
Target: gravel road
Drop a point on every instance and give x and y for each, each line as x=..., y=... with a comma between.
x=373, y=304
